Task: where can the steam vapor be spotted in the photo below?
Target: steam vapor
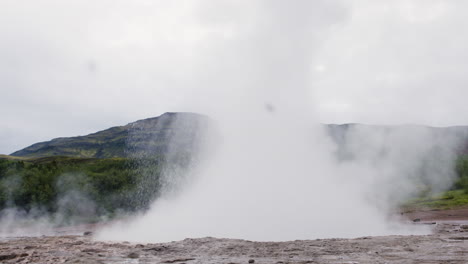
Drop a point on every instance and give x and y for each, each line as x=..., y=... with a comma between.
x=274, y=173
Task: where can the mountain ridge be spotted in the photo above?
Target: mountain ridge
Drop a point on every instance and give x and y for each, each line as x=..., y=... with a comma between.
x=114, y=141
x=154, y=134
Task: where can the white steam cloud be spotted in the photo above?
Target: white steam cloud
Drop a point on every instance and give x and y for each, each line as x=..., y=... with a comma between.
x=274, y=174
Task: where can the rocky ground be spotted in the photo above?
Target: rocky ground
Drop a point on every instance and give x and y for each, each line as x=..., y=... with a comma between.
x=447, y=244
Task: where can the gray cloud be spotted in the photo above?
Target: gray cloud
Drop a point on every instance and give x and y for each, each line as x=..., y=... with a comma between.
x=397, y=62
x=74, y=67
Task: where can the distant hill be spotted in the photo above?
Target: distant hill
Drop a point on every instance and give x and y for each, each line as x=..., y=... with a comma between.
x=11, y=157
x=120, y=168
x=341, y=133
x=115, y=169
x=149, y=136
x=176, y=132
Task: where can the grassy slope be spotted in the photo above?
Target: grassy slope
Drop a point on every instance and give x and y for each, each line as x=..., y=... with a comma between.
x=151, y=134
x=103, y=144
x=8, y=157
x=116, y=178
x=98, y=166
x=154, y=134
x=43, y=182
x=441, y=201
x=457, y=197
x=100, y=157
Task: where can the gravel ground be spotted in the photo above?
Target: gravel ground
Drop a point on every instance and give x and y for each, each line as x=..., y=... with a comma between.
x=448, y=244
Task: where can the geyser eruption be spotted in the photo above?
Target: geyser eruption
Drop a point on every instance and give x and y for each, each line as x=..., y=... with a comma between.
x=163, y=150
x=273, y=173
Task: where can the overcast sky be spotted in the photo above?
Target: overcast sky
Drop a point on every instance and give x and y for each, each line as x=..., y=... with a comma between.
x=74, y=67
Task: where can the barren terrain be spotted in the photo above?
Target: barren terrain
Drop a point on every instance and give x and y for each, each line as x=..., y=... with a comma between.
x=447, y=244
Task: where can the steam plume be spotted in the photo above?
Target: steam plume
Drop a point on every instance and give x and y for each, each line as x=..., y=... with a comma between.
x=274, y=174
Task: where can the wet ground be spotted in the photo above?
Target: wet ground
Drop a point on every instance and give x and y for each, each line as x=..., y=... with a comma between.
x=438, y=215
x=447, y=244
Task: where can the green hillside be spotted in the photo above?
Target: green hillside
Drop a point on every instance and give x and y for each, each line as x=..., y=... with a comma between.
x=114, y=170
x=170, y=132
x=152, y=134
x=85, y=188
x=11, y=157
x=120, y=169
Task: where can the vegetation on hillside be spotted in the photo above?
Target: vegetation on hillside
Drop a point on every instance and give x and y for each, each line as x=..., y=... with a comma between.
x=120, y=169
x=462, y=172
x=101, y=174
x=152, y=134
x=440, y=201
x=74, y=186
x=455, y=197
x=102, y=187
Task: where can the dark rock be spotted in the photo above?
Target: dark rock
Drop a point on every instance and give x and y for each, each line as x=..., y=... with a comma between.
x=92, y=250
x=177, y=260
x=87, y=233
x=161, y=248
x=133, y=255
x=8, y=256
x=416, y=220
x=251, y=261
x=459, y=238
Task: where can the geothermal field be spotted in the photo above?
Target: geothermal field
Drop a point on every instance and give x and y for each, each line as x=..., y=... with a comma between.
x=445, y=244
x=234, y=132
